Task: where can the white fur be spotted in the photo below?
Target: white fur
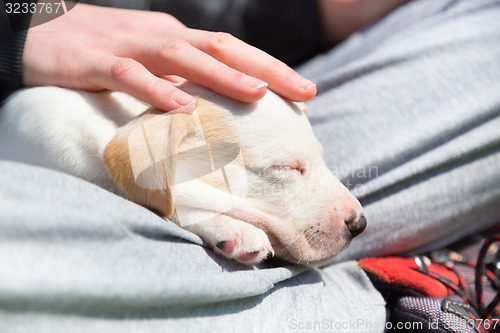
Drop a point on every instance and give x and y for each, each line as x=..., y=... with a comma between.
x=301, y=216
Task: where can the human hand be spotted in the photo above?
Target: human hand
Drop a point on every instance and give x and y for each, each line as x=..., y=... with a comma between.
x=95, y=48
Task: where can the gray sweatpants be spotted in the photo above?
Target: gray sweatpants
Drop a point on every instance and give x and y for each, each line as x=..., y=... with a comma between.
x=408, y=112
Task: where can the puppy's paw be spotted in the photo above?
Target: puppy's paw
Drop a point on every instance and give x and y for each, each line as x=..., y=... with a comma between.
x=234, y=239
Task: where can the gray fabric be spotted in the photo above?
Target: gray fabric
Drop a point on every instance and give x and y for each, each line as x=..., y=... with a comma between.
x=76, y=258
x=407, y=112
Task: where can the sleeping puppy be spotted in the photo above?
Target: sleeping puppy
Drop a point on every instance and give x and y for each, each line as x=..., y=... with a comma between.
x=249, y=179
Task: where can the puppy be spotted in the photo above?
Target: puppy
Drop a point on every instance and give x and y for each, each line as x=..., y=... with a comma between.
x=249, y=179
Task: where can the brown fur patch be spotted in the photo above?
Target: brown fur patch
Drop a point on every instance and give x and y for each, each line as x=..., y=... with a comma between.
x=118, y=161
x=216, y=126
x=162, y=135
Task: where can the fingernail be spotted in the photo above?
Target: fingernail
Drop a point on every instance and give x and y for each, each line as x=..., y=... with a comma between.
x=305, y=84
x=183, y=99
x=252, y=82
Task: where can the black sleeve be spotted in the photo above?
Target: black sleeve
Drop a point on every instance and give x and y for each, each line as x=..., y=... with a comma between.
x=287, y=29
x=13, y=30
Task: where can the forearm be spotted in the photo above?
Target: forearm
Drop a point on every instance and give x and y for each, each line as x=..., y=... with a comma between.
x=341, y=18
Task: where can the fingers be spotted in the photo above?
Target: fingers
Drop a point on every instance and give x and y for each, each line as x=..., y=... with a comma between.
x=128, y=75
x=248, y=59
x=178, y=57
x=214, y=60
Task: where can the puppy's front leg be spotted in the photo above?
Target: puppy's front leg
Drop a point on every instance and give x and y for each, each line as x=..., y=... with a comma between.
x=233, y=238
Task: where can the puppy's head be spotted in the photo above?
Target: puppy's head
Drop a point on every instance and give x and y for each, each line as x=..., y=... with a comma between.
x=259, y=163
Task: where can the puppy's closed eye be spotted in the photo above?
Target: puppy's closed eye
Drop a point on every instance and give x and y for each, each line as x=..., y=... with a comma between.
x=286, y=169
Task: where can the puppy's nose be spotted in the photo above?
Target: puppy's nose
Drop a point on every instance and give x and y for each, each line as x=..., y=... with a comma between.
x=356, y=225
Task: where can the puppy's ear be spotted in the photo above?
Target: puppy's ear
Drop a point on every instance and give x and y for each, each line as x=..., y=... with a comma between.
x=142, y=157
